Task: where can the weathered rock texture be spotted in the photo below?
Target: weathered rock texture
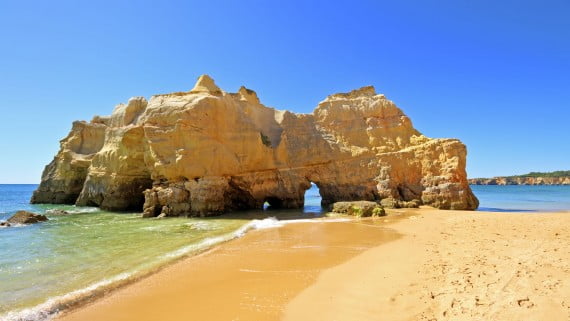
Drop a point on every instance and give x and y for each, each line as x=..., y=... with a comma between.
x=358, y=208
x=25, y=217
x=520, y=181
x=207, y=151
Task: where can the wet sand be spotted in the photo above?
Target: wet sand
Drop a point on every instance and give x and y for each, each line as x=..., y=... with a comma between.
x=432, y=265
x=251, y=278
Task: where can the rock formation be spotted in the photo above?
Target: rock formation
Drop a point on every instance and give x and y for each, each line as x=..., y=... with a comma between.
x=507, y=180
x=358, y=208
x=25, y=217
x=207, y=151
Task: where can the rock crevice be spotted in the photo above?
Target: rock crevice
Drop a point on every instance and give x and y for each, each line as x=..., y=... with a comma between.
x=206, y=151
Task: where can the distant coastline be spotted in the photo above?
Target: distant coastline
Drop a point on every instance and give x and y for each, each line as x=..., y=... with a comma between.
x=533, y=178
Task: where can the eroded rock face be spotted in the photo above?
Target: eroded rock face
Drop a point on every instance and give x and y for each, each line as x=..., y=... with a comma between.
x=64, y=177
x=207, y=151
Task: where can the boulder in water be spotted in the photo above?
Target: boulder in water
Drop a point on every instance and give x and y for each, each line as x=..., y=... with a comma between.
x=25, y=217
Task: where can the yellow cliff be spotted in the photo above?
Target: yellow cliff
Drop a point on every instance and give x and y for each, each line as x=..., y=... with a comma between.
x=207, y=151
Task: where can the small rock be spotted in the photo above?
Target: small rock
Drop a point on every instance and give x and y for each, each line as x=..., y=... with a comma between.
x=57, y=211
x=25, y=217
x=4, y=224
x=358, y=208
x=415, y=203
x=390, y=202
x=148, y=213
x=394, y=203
x=162, y=215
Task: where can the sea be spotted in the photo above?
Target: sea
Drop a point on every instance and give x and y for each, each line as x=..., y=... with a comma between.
x=522, y=198
x=50, y=266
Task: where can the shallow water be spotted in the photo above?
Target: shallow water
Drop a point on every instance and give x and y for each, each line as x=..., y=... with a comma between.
x=73, y=255
x=90, y=248
x=513, y=198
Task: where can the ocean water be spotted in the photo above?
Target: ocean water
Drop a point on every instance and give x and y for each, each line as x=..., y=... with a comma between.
x=47, y=266
x=513, y=198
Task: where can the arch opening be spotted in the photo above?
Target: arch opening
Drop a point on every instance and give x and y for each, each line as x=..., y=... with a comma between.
x=272, y=203
x=313, y=200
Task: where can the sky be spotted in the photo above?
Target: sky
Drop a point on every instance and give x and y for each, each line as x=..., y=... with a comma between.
x=495, y=74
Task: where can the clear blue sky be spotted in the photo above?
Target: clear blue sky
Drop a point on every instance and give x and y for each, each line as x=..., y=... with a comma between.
x=495, y=74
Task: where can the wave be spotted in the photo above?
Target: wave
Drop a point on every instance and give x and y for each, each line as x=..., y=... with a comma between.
x=267, y=223
x=53, y=306
x=74, y=210
x=270, y=222
x=84, y=210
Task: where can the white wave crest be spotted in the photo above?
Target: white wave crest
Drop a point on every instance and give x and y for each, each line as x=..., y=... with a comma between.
x=52, y=306
x=266, y=223
x=83, y=210
x=74, y=210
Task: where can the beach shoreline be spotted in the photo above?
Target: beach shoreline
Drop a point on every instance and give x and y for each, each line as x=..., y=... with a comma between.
x=420, y=264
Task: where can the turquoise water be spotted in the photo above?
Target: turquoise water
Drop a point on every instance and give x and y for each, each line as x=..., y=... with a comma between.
x=511, y=198
x=45, y=266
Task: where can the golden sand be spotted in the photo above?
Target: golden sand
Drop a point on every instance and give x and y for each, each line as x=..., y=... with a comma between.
x=251, y=278
x=429, y=265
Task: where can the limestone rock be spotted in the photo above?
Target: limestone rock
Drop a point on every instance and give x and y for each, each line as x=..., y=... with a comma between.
x=206, y=85
x=63, y=178
x=391, y=202
x=25, y=217
x=358, y=208
x=207, y=151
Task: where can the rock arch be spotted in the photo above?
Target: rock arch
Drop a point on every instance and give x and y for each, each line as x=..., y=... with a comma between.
x=207, y=151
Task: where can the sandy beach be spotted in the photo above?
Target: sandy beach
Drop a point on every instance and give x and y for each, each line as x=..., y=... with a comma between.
x=420, y=264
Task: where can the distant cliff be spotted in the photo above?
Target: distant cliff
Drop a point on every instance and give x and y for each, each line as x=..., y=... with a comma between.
x=533, y=178
x=208, y=151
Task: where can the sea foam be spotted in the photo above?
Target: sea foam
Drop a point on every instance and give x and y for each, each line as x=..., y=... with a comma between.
x=53, y=306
